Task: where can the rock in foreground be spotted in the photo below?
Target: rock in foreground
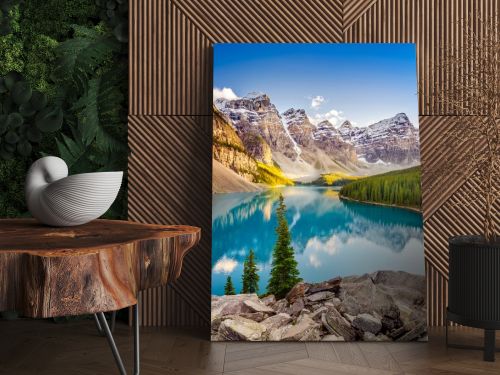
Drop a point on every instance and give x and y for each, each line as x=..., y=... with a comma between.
x=381, y=306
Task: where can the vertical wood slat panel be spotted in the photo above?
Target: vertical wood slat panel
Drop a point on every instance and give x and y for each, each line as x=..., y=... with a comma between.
x=170, y=70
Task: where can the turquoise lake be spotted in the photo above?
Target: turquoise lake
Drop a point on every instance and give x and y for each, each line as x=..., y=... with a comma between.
x=331, y=237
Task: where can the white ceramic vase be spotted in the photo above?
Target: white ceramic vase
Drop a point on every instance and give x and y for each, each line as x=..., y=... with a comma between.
x=56, y=199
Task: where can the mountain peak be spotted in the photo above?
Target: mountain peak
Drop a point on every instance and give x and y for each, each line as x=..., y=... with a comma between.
x=346, y=125
x=295, y=116
x=256, y=95
x=294, y=112
x=325, y=124
x=399, y=120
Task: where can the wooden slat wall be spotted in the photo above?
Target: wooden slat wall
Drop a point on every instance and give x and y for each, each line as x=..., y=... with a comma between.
x=170, y=125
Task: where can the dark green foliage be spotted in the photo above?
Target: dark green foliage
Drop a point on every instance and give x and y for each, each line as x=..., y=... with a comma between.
x=400, y=188
x=229, y=287
x=250, y=276
x=8, y=8
x=55, y=18
x=23, y=116
x=11, y=46
x=284, y=272
x=115, y=13
x=79, y=58
x=74, y=59
x=12, y=175
x=97, y=115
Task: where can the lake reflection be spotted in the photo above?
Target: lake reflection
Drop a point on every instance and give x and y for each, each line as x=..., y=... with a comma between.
x=330, y=237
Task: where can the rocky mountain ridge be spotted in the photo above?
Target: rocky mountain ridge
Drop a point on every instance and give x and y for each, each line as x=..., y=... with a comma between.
x=255, y=118
x=394, y=140
x=300, y=147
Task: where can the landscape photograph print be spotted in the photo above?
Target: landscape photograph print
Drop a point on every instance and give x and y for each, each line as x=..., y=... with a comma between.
x=316, y=217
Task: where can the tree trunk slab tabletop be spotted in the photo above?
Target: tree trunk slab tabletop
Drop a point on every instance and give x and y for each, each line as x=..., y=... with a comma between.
x=100, y=266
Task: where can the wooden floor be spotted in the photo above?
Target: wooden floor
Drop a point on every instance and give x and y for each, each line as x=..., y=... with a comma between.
x=42, y=347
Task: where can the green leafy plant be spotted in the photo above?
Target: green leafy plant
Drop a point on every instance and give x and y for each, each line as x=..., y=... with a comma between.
x=72, y=60
x=80, y=57
x=90, y=89
x=24, y=116
x=6, y=6
x=115, y=13
x=97, y=130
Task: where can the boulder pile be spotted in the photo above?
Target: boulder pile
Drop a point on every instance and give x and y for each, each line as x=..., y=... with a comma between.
x=381, y=306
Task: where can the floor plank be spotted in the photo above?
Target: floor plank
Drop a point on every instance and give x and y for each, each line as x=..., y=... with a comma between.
x=265, y=359
x=350, y=353
x=41, y=347
x=317, y=367
x=323, y=351
x=378, y=356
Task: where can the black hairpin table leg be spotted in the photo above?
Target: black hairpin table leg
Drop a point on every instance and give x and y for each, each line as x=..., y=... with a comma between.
x=113, y=323
x=103, y=325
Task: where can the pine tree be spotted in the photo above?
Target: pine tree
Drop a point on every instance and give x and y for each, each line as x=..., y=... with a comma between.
x=229, y=287
x=284, y=272
x=250, y=277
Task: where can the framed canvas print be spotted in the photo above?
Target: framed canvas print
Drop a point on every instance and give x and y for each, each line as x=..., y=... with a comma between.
x=316, y=217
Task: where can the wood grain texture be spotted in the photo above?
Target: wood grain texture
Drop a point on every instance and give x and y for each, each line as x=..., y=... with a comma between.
x=38, y=347
x=170, y=165
x=170, y=74
x=99, y=266
x=172, y=56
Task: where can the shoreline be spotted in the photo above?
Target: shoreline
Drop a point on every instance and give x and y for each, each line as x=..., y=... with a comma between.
x=341, y=197
x=263, y=188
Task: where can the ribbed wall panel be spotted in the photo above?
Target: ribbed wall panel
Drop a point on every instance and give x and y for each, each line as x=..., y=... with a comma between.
x=170, y=169
x=171, y=74
x=353, y=9
x=170, y=62
x=264, y=21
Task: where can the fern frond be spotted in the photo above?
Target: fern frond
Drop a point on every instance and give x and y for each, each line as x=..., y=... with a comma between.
x=75, y=153
x=98, y=112
x=80, y=56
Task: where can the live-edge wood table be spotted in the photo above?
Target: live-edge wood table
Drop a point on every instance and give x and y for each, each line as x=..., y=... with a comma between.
x=89, y=269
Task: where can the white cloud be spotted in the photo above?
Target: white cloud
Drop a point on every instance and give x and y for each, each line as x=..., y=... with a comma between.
x=315, y=247
x=225, y=265
x=317, y=101
x=314, y=261
x=334, y=116
x=224, y=93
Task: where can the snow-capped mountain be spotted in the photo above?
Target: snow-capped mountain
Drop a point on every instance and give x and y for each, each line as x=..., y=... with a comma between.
x=299, y=127
x=256, y=119
x=302, y=148
x=394, y=140
x=328, y=138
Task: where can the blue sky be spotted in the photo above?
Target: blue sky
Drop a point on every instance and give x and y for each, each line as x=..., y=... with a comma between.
x=363, y=83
